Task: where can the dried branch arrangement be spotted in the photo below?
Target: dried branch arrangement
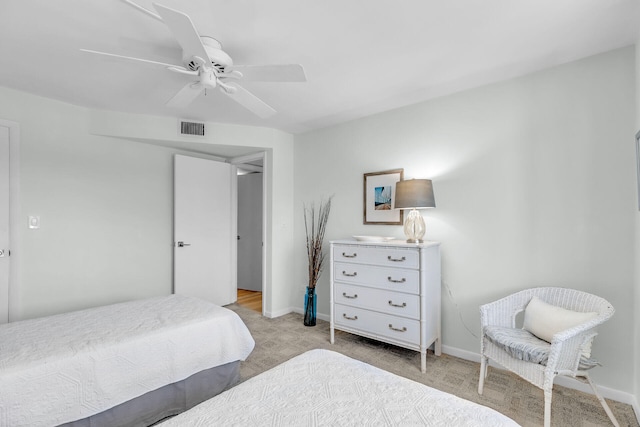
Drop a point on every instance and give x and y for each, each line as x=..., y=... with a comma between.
x=315, y=225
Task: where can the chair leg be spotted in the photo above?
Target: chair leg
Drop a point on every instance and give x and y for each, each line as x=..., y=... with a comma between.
x=602, y=402
x=547, y=408
x=486, y=368
x=483, y=373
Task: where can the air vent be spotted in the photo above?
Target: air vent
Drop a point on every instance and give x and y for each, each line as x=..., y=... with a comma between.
x=191, y=128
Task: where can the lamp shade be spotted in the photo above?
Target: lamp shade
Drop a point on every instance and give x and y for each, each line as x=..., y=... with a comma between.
x=414, y=194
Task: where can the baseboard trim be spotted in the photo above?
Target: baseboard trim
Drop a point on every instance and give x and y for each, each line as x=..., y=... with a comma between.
x=278, y=313
x=320, y=316
x=568, y=382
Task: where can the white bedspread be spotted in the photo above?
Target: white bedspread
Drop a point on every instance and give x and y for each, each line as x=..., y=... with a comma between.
x=70, y=366
x=324, y=388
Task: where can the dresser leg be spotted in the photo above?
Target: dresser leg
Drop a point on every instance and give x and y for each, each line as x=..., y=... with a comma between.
x=331, y=335
x=423, y=361
x=437, y=347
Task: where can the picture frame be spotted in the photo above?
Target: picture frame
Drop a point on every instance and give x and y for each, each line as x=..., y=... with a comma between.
x=379, y=193
x=638, y=166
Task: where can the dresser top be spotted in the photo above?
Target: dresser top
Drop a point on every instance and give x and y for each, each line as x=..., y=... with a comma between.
x=392, y=243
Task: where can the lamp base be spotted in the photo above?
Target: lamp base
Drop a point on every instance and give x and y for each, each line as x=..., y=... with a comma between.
x=414, y=227
x=415, y=241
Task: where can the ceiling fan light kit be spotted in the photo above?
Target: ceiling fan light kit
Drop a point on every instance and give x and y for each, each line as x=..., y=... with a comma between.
x=209, y=66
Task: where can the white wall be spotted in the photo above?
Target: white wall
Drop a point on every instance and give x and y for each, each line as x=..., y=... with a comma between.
x=533, y=183
x=106, y=204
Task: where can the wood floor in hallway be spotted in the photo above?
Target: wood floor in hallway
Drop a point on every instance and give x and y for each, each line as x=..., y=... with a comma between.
x=250, y=299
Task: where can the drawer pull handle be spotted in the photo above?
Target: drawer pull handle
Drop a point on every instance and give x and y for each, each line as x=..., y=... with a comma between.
x=354, y=274
x=344, y=294
x=395, y=259
x=350, y=318
x=353, y=255
x=404, y=328
x=404, y=304
x=394, y=280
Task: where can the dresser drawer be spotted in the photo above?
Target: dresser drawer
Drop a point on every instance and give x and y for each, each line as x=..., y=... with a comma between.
x=404, y=258
x=395, y=279
x=397, y=303
x=379, y=324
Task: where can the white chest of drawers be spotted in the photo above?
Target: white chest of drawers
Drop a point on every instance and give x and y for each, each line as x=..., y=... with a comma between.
x=388, y=291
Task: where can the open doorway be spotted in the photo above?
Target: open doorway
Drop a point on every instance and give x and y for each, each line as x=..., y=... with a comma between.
x=251, y=231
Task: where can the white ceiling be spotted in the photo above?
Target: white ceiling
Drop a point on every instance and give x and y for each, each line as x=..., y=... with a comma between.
x=361, y=56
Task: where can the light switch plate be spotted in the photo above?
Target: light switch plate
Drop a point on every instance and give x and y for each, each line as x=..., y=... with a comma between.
x=34, y=222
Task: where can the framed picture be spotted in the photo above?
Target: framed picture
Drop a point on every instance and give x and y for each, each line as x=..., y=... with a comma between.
x=379, y=189
x=638, y=166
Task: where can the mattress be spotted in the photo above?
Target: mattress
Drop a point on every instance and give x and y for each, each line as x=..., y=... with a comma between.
x=70, y=366
x=324, y=388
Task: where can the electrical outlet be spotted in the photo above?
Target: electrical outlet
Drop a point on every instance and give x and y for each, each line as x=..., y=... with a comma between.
x=34, y=222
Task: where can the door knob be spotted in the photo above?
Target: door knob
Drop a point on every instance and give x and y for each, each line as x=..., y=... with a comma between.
x=1, y=253
x=183, y=244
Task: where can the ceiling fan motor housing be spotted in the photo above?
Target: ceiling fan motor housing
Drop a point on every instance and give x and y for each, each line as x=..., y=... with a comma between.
x=219, y=58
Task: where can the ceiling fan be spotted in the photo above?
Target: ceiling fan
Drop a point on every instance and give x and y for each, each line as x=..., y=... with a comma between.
x=209, y=66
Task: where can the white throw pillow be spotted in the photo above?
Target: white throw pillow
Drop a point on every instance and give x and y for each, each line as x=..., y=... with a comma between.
x=545, y=320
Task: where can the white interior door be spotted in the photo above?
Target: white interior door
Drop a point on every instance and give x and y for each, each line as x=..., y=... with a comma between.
x=205, y=229
x=4, y=224
x=250, y=232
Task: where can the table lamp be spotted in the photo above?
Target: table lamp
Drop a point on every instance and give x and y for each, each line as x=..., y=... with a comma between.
x=414, y=194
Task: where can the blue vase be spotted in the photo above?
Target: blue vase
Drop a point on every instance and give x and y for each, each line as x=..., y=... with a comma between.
x=310, y=307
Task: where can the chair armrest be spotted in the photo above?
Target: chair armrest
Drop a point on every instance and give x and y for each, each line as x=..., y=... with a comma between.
x=579, y=329
x=567, y=348
x=503, y=311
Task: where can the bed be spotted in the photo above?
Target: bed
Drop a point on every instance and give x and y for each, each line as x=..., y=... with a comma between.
x=324, y=388
x=132, y=363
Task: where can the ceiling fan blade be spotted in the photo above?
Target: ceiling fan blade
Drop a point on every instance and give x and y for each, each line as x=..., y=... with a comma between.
x=130, y=58
x=142, y=9
x=184, y=31
x=271, y=73
x=250, y=101
x=186, y=95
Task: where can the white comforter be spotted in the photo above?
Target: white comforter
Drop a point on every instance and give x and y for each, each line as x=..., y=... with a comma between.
x=324, y=388
x=70, y=366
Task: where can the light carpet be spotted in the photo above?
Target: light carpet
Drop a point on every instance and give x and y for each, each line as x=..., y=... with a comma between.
x=279, y=339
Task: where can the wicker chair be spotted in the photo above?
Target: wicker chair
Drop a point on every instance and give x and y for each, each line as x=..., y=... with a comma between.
x=566, y=348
